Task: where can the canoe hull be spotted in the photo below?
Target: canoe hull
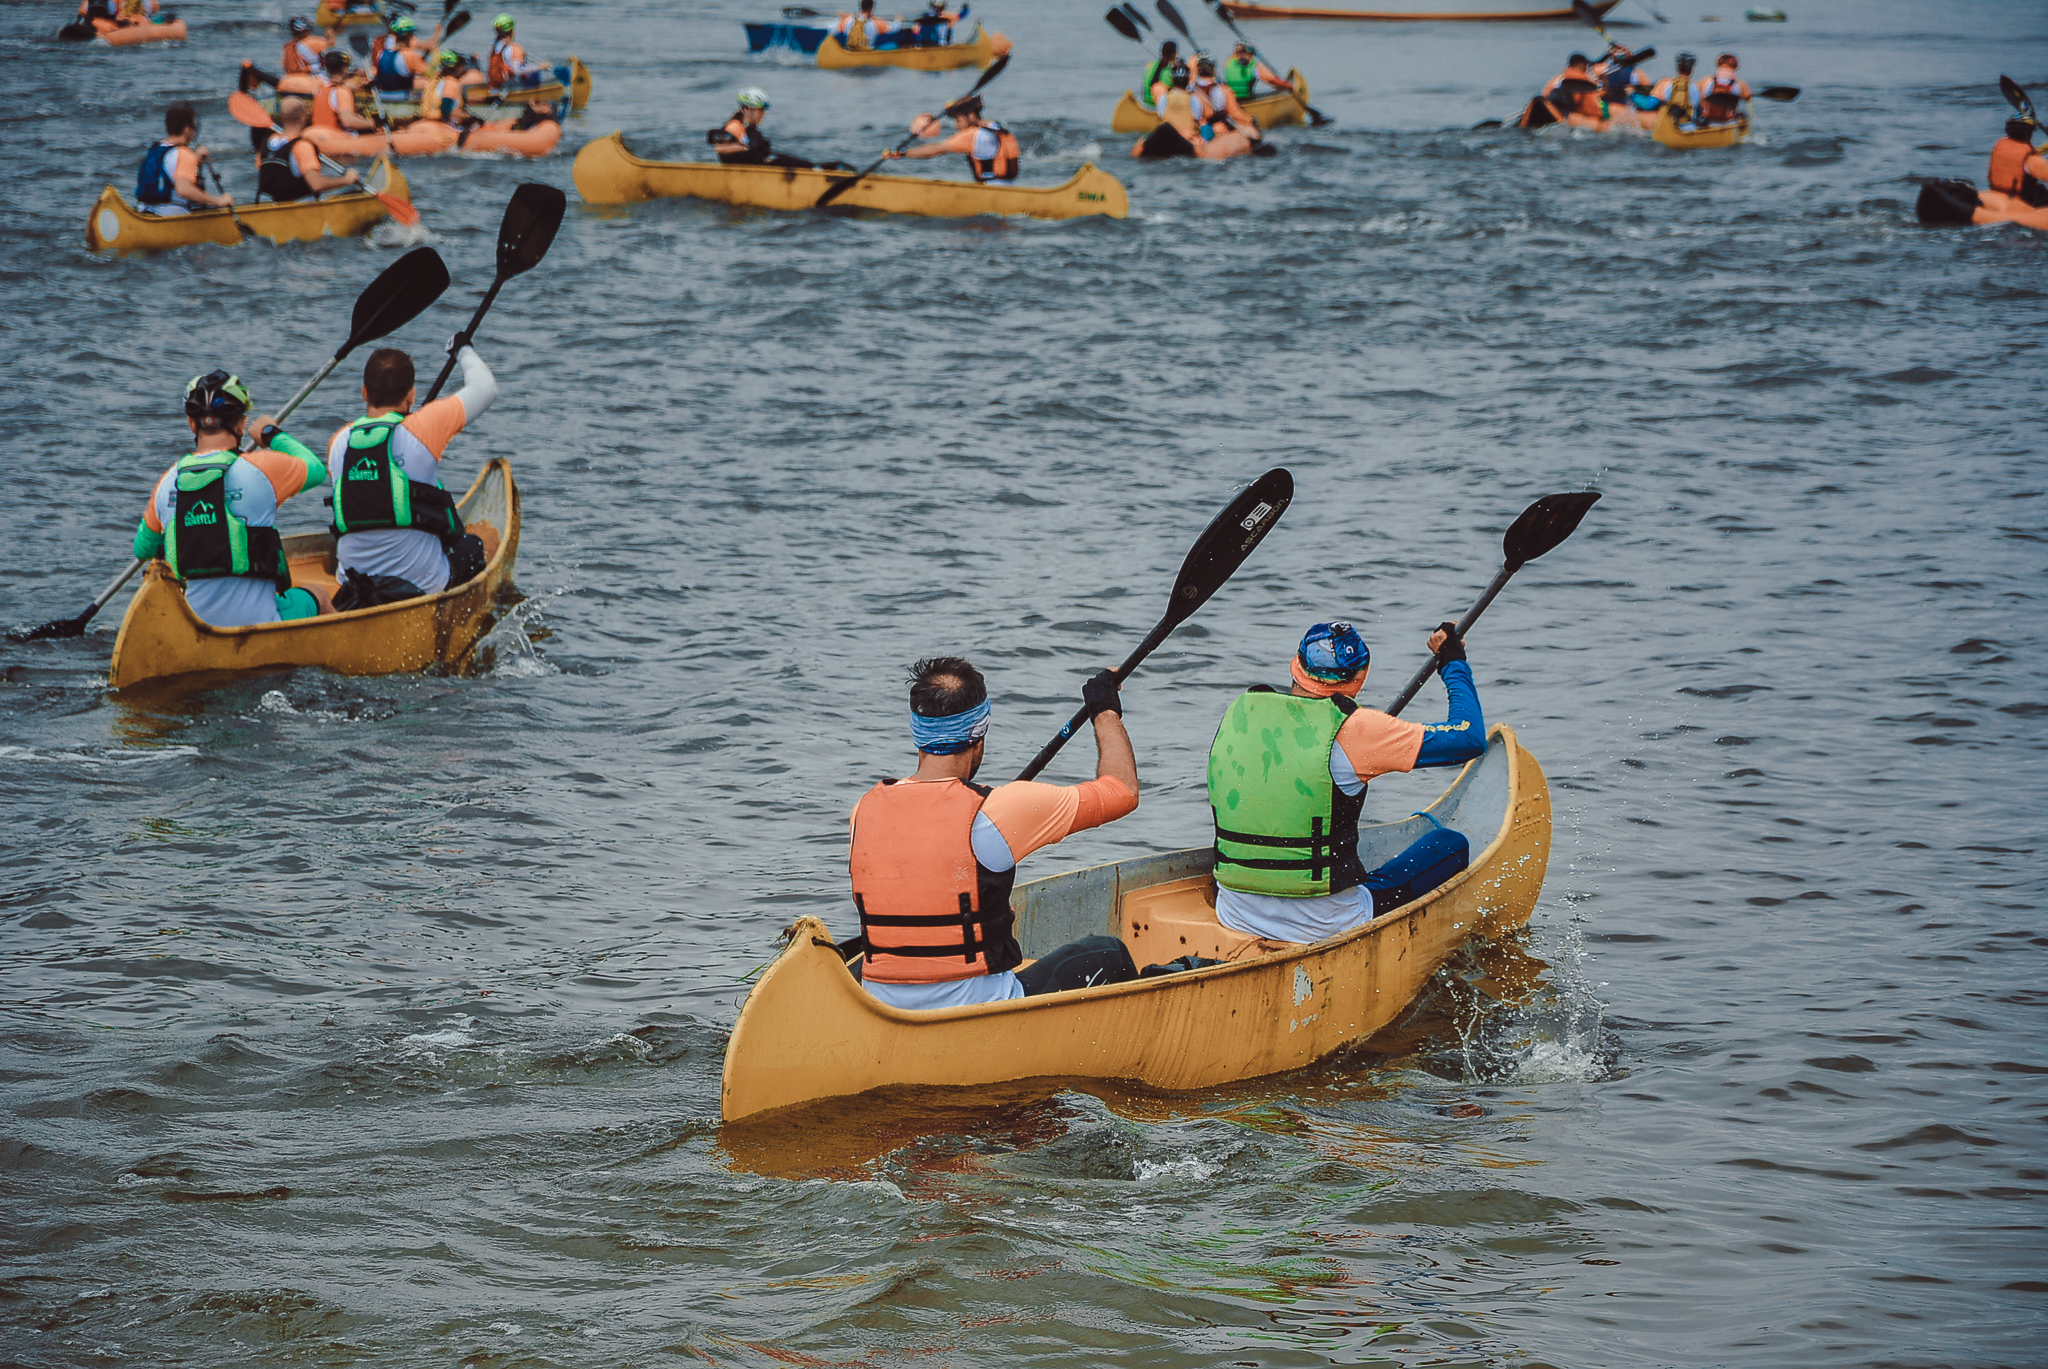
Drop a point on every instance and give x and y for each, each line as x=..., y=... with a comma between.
x=985, y=48
x=1667, y=132
x=606, y=173
x=133, y=35
x=1269, y=111
x=808, y=1032
x=115, y=226
x=327, y=17
x=161, y=638
x=800, y=37
x=475, y=94
x=1240, y=10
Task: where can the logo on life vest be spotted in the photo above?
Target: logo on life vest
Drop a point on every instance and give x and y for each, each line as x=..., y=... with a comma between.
x=1256, y=517
x=201, y=513
x=363, y=468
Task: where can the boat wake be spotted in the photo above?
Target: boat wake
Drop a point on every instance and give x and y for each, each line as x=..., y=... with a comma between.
x=509, y=651
x=394, y=235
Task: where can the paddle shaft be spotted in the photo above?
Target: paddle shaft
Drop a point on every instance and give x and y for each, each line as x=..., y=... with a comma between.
x=1500, y=581
x=1313, y=113
x=838, y=188
x=448, y=367
x=222, y=191
x=1075, y=723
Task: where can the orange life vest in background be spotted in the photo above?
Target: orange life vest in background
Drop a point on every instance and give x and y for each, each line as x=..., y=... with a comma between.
x=928, y=911
x=2009, y=158
x=506, y=57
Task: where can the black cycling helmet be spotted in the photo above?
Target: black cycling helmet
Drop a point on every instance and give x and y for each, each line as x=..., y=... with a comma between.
x=1205, y=66
x=1180, y=73
x=217, y=394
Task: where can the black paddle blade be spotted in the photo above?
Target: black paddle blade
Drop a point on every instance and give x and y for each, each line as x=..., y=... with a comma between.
x=397, y=297
x=1137, y=14
x=1636, y=59
x=2016, y=96
x=1585, y=13
x=455, y=26
x=1228, y=540
x=1782, y=94
x=1121, y=22
x=1172, y=16
x=62, y=627
x=995, y=69
x=1544, y=524
x=529, y=227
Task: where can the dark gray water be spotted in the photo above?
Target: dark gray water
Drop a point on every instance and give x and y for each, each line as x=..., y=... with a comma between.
x=378, y=1022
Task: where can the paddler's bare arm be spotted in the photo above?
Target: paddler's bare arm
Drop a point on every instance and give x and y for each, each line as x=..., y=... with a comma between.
x=1114, y=758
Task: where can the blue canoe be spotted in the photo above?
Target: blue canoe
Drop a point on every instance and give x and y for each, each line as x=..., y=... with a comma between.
x=761, y=37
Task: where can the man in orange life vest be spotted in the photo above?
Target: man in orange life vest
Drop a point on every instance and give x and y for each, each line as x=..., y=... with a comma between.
x=334, y=104
x=993, y=154
x=2017, y=169
x=1720, y=97
x=934, y=855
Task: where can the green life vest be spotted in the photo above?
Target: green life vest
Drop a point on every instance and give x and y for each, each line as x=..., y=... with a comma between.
x=204, y=539
x=1282, y=825
x=1241, y=76
x=1154, y=74
x=372, y=490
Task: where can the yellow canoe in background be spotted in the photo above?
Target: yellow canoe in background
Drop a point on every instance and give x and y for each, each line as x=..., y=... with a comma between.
x=809, y=1032
x=606, y=173
x=116, y=226
x=983, y=49
x=162, y=637
x=1270, y=110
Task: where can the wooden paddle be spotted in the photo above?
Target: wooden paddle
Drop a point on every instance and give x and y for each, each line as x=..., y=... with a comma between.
x=524, y=236
x=1315, y=116
x=398, y=295
x=249, y=111
x=1212, y=560
x=1542, y=526
x=844, y=184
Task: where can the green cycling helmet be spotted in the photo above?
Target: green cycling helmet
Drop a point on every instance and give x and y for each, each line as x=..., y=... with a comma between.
x=503, y=23
x=402, y=25
x=219, y=394
x=448, y=60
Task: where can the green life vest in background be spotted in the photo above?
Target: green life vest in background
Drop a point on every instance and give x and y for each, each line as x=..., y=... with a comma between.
x=204, y=540
x=1154, y=74
x=372, y=490
x=1282, y=825
x=1241, y=76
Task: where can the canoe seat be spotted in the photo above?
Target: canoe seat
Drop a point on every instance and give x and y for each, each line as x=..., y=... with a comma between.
x=1163, y=922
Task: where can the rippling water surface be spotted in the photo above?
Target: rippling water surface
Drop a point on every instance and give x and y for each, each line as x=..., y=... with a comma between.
x=379, y=1021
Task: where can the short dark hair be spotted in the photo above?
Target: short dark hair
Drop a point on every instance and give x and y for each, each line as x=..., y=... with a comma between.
x=1577, y=59
x=387, y=375
x=2020, y=130
x=941, y=686
x=334, y=61
x=180, y=117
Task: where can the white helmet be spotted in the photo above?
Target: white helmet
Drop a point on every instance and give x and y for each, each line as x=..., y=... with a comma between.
x=753, y=97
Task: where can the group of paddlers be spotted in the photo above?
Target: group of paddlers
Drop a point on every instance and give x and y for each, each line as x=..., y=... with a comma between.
x=865, y=30
x=1199, y=104
x=1614, y=91
x=212, y=517
x=933, y=856
x=403, y=67
x=994, y=156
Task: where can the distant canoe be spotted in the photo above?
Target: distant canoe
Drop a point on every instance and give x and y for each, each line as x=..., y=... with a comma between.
x=115, y=226
x=801, y=37
x=1668, y=131
x=808, y=1032
x=1269, y=111
x=981, y=50
x=475, y=94
x=1536, y=10
x=161, y=636
x=327, y=17
x=606, y=173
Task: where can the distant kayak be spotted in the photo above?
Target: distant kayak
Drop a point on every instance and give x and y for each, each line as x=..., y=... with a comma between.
x=606, y=173
x=432, y=138
x=1269, y=111
x=982, y=49
x=1957, y=203
x=171, y=30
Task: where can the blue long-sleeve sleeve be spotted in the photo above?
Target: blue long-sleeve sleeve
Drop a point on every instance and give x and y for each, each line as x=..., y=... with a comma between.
x=1462, y=736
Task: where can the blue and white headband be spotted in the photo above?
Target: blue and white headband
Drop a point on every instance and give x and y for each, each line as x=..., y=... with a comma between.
x=954, y=733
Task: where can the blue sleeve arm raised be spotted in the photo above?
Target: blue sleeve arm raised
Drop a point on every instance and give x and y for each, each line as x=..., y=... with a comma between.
x=1462, y=736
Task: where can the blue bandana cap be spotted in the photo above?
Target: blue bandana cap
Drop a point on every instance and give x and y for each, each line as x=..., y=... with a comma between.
x=954, y=733
x=1333, y=652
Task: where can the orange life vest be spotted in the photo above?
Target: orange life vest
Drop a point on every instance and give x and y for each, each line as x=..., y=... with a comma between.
x=323, y=103
x=929, y=912
x=2009, y=158
x=302, y=56
x=1009, y=156
x=1722, y=101
x=504, y=53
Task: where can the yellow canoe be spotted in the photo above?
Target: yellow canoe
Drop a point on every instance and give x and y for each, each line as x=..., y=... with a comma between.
x=606, y=173
x=809, y=1032
x=116, y=226
x=985, y=48
x=161, y=637
x=476, y=95
x=328, y=17
x=1270, y=111
x=1667, y=131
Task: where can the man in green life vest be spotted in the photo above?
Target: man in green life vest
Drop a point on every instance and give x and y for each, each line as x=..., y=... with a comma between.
x=1160, y=73
x=1243, y=72
x=397, y=533
x=213, y=515
x=1287, y=777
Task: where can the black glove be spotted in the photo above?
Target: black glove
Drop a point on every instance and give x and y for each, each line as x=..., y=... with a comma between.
x=268, y=435
x=1101, y=695
x=458, y=342
x=1453, y=648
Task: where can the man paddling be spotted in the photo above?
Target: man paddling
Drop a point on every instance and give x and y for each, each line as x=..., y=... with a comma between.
x=397, y=532
x=509, y=69
x=1287, y=778
x=992, y=151
x=1243, y=72
x=933, y=856
x=302, y=53
x=1721, y=96
x=334, y=104
x=1575, y=95
x=290, y=168
x=740, y=141
x=397, y=65
x=213, y=515
x=168, y=182
x=1217, y=103
x=2017, y=168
